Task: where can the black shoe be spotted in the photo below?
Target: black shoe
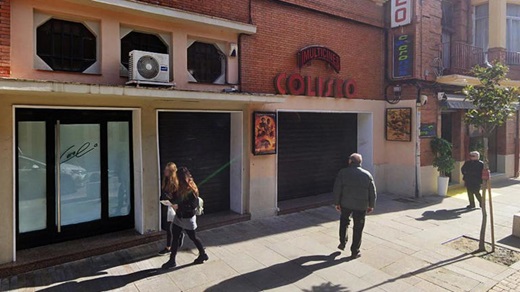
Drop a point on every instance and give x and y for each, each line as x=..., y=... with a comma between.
x=470, y=207
x=201, y=259
x=355, y=255
x=181, y=239
x=341, y=246
x=164, y=251
x=169, y=264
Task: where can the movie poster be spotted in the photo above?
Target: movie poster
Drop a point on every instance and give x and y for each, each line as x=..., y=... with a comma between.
x=265, y=127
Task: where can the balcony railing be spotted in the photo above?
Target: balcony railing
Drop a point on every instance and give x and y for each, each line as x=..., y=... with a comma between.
x=512, y=58
x=460, y=58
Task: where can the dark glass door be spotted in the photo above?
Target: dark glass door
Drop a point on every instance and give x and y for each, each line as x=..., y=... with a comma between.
x=74, y=174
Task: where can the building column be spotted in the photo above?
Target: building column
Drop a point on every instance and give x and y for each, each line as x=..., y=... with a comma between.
x=497, y=30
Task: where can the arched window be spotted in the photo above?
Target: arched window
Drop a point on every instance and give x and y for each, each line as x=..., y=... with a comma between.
x=65, y=45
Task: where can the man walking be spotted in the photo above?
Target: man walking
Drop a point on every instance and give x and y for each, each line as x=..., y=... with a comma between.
x=472, y=176
x=354, y=194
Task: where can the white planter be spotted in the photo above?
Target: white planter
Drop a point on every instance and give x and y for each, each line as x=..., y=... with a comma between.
x=442, y=185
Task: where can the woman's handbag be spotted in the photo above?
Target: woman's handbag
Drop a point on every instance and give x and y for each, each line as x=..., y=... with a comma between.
x=171, y=214
x=199, y=210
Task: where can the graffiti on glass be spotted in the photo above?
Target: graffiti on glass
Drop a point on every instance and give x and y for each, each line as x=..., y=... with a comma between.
x=74, y=151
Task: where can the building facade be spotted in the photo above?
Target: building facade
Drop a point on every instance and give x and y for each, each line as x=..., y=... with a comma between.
x=449, y=39
x=264, y=100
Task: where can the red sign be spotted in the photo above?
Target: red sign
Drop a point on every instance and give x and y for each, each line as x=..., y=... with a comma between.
x=295, y=84
x=310, y=53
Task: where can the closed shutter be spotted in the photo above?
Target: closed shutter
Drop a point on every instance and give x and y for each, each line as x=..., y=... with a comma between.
x=312, y=148
x=201, y=142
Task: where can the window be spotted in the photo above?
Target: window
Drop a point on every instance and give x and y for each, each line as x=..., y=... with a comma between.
x=206, y=63
x=447, y=14
x=513, y=28
x=482, y=26
x=143, y=42
x=66, y=45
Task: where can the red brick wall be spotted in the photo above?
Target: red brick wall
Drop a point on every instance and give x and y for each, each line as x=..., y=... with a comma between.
x=228, y=9
x=284, y=29
x=5, y=38
x=359, y=10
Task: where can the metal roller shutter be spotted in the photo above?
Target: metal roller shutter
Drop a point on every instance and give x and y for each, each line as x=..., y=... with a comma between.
x=312, y=148
x=201, y=142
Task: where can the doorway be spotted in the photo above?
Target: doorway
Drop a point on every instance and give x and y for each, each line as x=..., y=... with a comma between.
x=74, y=174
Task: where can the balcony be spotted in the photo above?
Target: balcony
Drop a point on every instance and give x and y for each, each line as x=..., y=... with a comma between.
x=460, y=58
x=512, y=58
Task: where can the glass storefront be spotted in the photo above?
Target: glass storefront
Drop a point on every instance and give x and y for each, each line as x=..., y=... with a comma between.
x=74, y=174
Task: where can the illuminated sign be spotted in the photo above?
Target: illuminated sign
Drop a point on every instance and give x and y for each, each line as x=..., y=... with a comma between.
x=403, y=56
x=401, y=12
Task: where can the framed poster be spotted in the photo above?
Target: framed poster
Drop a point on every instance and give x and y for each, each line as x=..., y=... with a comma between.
x=428, y=130
x=264, y=133
x=398, y=124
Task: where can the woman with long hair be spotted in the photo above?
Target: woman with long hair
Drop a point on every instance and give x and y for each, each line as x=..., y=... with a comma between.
x=169, y=188
x=185, y=218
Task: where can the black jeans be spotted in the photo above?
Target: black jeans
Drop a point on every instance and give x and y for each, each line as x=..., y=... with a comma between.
x=169, y=235
x=176, y=232
x=359, y=224
x=474, y=192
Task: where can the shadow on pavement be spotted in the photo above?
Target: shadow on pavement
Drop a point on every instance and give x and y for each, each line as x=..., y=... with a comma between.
x=444, y=214
x=511, y=241
x=110, y=282
x=103, y=283
x=431, y=267
x=283, y=274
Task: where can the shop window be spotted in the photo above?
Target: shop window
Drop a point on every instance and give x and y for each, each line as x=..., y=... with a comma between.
x=66, y=45
x=206, y=63
x=143, y=42
x=481, y=38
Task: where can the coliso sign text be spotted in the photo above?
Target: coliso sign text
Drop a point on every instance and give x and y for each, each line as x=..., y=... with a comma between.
x=296, y=84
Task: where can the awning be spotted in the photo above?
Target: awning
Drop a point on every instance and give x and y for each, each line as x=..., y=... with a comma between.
x=38, y=87
x=456, y=101
x=463, y=80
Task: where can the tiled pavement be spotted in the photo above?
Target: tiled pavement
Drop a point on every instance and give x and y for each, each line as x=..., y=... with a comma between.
x=402, y=250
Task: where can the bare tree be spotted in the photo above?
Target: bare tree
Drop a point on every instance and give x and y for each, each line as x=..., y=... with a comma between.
x=494, y=105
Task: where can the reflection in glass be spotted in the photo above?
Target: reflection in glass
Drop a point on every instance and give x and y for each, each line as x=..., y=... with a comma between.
x=32, y=172
x=80, y=182
x=118, y=169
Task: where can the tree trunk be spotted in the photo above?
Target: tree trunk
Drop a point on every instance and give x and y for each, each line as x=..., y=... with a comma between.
x=482, y=240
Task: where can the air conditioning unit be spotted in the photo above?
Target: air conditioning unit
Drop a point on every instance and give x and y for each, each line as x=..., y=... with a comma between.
x=149, y=68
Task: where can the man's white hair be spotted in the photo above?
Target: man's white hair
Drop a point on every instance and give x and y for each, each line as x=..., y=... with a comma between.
x=475, y=153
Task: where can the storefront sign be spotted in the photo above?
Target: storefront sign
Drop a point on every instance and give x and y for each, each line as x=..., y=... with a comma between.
x=428, y=130
x=310, y=53
x=403, y=56
x=401, y=12
x=296, y=84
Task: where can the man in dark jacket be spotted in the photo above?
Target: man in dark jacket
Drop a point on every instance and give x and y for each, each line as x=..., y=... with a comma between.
x=354, y=194
x=472, y=176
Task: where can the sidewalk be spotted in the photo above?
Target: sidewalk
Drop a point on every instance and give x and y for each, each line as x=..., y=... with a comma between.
x=402, y=250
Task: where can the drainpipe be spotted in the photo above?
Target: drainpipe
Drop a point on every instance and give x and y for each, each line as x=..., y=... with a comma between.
x=418, y=153
x=239, y=45
x=517, y=144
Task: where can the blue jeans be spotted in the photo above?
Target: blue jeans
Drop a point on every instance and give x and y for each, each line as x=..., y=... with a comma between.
x=359, y=224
